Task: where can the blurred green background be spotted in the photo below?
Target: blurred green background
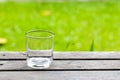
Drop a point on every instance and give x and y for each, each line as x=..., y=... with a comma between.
x=78, y=26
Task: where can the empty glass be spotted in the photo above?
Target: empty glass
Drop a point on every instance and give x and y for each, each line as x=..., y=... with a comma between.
x=39, y=47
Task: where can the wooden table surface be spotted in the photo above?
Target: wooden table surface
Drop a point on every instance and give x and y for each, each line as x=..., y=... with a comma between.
x=66, y=66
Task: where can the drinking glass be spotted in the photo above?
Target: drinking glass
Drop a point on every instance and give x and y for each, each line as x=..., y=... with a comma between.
x=39, y=48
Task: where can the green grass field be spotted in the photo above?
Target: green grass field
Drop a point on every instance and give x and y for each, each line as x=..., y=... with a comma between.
x=78, y=26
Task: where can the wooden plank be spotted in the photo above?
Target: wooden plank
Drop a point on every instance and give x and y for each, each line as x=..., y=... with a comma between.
x=61, y=75
x=64, y=65
x=66, y=55
x=87, y=55
x=12, y=55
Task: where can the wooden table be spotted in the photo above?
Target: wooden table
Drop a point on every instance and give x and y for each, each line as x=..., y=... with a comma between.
x=66, y=66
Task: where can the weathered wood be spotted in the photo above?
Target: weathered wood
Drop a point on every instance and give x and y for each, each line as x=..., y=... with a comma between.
x=65, y=65
x=66, y=55
x=87, y=55
x=61, y=75
x=12, y=55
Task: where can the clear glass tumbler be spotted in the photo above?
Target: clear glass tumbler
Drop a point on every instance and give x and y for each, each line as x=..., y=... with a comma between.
x=39, y=47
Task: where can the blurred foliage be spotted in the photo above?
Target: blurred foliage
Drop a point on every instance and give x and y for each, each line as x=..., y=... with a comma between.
x=74, y=24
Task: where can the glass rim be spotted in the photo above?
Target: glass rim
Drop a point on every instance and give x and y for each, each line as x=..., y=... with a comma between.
x=32, y=31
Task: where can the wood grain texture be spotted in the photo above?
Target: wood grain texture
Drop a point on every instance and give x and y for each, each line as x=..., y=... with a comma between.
x=60, y=75
x=12, y=55
x=66, y=55
x=65, y=65
x=87, y=55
